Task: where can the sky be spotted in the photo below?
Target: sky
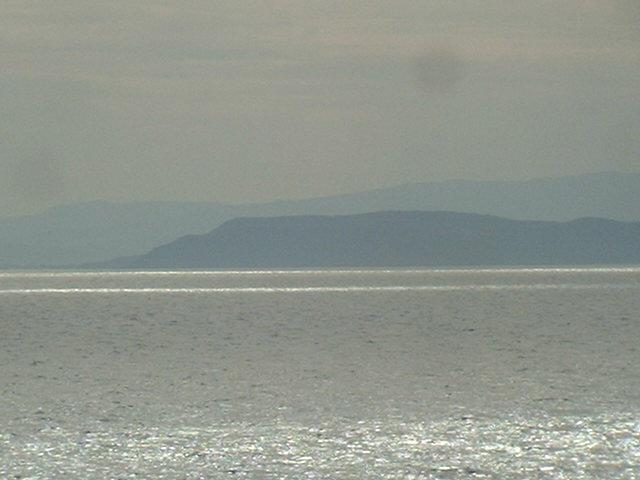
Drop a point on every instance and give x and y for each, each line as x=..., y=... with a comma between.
x=249, y=101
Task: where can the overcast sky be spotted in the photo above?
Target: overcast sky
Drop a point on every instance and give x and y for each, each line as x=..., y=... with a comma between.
x=238, y=101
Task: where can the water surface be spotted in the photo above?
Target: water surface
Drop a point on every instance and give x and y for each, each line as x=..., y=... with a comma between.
x=462, y=373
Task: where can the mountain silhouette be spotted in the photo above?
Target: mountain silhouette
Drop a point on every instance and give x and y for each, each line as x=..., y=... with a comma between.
x=96, y=231
x=395, y=239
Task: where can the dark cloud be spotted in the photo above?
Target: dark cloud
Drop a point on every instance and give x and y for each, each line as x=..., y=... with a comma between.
x=439, y=70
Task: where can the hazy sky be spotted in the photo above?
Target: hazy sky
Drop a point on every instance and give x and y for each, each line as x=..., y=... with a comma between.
x=240, y=101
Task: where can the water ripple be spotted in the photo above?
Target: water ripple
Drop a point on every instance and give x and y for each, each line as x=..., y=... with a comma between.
x=576, y=447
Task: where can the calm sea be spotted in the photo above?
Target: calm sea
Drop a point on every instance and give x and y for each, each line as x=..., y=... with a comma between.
x=461, y=373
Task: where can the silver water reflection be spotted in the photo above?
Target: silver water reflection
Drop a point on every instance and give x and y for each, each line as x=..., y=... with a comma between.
x=509, y=373
x=466, y=447
x=315, y=280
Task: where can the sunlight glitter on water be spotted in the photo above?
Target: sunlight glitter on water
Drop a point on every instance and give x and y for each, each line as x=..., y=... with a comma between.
x=422, y=374
x=346, y=289
x=329, y=271
x=465, y=447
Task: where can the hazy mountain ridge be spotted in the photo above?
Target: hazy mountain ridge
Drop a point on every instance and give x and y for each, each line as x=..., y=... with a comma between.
x=396, y=239
x=96, y=231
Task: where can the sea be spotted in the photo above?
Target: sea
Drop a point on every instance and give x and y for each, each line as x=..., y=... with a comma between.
x=482, y=373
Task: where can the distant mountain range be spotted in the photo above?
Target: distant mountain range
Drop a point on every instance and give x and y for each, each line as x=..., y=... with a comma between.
x=95, y=231
x=395, y=239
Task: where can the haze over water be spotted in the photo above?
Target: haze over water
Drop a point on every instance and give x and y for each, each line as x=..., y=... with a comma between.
x=461, y=373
